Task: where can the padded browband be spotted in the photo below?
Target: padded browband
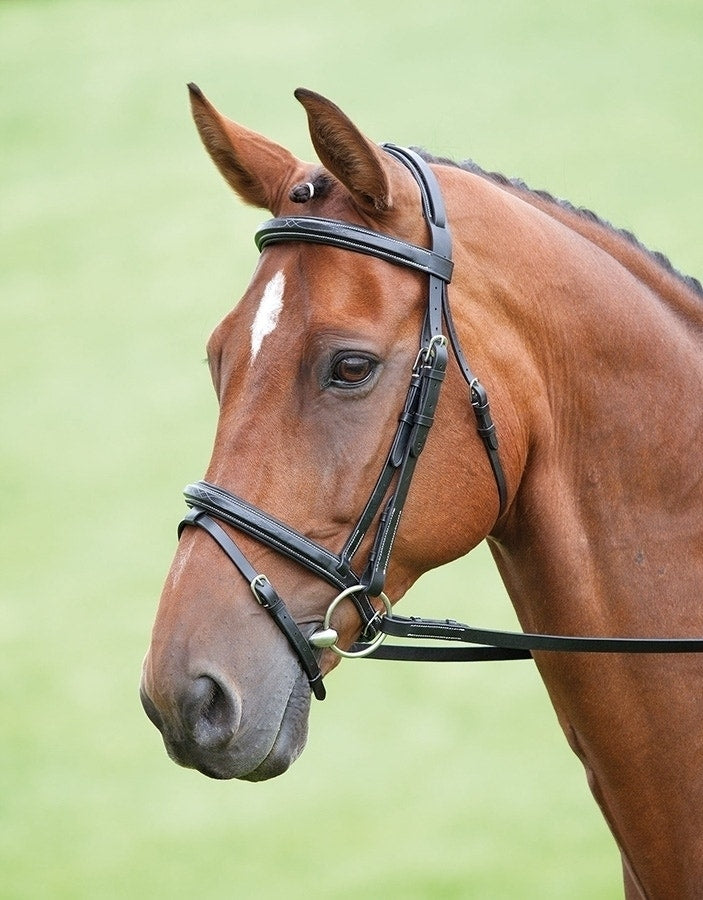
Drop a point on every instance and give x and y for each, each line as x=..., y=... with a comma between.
x=354, y=237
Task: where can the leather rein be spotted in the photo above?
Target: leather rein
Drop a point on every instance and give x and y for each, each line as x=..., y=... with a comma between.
x=210, y=504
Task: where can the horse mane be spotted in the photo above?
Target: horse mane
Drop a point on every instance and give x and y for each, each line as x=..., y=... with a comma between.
x=518, y=186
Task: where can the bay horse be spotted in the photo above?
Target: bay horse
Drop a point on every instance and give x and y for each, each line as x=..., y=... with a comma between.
x=385, y=275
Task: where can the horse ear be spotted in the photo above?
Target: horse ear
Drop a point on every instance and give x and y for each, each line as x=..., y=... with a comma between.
x=359, y=164
x=258, y=169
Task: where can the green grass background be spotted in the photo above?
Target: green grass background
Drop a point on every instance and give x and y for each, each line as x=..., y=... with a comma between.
x=120, y=249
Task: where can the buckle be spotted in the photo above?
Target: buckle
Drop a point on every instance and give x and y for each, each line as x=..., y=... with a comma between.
x=257, y=585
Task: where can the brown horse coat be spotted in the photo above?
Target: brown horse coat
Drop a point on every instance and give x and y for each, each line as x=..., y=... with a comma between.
x=590, y=348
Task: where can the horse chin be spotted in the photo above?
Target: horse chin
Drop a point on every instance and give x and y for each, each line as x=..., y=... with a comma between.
x=287, y=745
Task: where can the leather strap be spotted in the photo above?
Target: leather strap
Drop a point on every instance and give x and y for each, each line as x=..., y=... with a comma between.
x=439, y=308
x=440, y=236
x=482, y=410
x=270, y=531
x=309, y=229
x=246, y=517
x=265, y=594
x=420, y=420
x=495, y=645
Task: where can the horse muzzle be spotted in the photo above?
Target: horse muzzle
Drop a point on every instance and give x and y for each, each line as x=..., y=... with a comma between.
x=203, y=728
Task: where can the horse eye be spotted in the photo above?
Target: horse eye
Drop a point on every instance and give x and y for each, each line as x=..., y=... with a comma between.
x=351, y=369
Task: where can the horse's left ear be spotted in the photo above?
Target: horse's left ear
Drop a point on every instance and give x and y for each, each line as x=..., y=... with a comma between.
x=258, y=169
x=362, y=167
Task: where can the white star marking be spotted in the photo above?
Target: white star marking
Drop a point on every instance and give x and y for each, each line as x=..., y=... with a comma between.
x=267, y=314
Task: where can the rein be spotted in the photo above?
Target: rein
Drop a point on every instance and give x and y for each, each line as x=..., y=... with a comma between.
x=211, y=504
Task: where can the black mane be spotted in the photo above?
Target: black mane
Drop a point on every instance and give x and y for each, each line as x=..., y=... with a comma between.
x=470, y=166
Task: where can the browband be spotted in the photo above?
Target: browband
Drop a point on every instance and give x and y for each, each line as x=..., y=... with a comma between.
x=308, y=229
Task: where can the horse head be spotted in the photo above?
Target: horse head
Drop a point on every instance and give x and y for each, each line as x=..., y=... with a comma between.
x=332, y=362
x=311, y=371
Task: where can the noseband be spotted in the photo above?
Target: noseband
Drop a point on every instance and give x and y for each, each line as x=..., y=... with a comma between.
x=210, y=505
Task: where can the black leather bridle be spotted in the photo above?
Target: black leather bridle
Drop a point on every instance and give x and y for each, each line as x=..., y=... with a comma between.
x=211, y=505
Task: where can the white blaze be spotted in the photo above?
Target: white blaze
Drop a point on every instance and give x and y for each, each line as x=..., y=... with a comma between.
x=267, y=314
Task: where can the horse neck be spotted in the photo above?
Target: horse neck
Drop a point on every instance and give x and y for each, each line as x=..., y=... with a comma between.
x=604, y=345
x=652, y=269
x=596, y=359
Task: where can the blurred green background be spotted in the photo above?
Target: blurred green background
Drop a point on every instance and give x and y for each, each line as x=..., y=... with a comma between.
x=121, y=248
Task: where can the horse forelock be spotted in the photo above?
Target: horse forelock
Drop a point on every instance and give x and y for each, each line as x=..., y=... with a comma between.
x=517, y=184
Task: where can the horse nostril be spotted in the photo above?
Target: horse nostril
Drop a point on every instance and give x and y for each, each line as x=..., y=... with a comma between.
x=210, y=712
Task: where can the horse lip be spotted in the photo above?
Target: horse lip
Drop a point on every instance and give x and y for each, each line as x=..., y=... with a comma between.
x=291, y=736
